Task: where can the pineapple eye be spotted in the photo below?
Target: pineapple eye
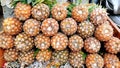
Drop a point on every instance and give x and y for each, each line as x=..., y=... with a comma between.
x=80, y=12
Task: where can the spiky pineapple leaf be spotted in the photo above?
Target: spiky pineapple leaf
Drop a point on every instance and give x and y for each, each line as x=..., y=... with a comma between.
x=83, y=55
x=69, y=8
x=36, y=52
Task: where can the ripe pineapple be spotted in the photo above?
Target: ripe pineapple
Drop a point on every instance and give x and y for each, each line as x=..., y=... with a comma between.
x=68, y=26
x=6, y=41
x=98, y=16
x=59, y=41
x=75, y=43
x=33, y=29
x=59, y=12
x=80, y=13
x=42, y=42
x=53, y=64
x=44, y=55
x=86, y=29
x=76, y=59
x=22, y=11
x=11, y=55
x=12, y=26
x=40, y=11
x=104, y=32
x=49, y=27
x=111, y=61
x=92, y=45
x=113, y=45
x=60, y=57
x=94, y=61
x=23, y=42
x=14, y=64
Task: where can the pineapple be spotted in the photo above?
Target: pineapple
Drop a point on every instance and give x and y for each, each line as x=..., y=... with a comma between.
x=22, y=11
x=53, y=64
x=80, y=13
x=23, y=42
x=6, y=41
x=86, y=29
x=49, y=27
x=75, y=43
x=111, y=61
x=92, y=45
x=59, y=12
x=94, y=61
x=33, y=29
x=68, y=26
x=98, y=16
x=14, y=64
x=104, y=32
x=113, y=45
x=42, y=42
x=11, y=55
x=12, y=26
x=59, y=41
x=60, y=57
x=44, y=55
x=76, y=59
x=40, y=11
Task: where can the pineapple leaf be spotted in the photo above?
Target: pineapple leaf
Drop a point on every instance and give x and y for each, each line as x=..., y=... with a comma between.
x=29, y=1
x=83, y=55
x=36, y=52
x=69, y=8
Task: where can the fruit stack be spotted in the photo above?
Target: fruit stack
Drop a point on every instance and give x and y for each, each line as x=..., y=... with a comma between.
x=38, y=33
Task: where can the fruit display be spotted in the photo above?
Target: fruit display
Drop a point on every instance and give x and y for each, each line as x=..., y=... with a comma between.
x=48, y=34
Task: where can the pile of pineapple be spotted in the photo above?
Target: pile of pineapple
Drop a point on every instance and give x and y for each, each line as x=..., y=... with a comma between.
x=38, y=33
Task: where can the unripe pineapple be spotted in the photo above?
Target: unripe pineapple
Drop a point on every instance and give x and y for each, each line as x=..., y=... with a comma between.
x=68, y=26
x=76, y=59
x=94, y=61
x=42, y=42
x=31, y=27
x=26, y=58
x=80, y=13
x=75, y=43
x=104, y=32
x=113, y=45
x=40, y=11
x=98, y=16
x=23, y=42
x=49, y=27
x=14, y=64
x=11, y=55
x=92, y=45
x=22, y=11
x=59, y=41
x=44, y=55
x=86, y=29
x=111, y=61
x=12, y=26
x=60, y=57
x=59, y=12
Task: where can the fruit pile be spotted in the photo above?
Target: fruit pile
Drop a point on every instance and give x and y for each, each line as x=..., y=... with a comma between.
x=39, y=34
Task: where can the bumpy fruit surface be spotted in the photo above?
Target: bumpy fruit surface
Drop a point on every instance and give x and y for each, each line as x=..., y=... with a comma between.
x=59, y=41
x=12, y=26
x=92, y=45
x=14, y=64
x=113, y=45
x=11, y=55
x=86, y=29
x=23, y=42
x=60, y=57
x=42, y=42
x=44, y=55
x=68, y=26
x=94, y=61
x=104, y=32
x=98, y=16
x=111, y=61
x=22, y=11
x=76, y=59
x=40, y=11
x=31, y=27
x=59, y=12
x=80, y=13
x=49, y=27
x=6, y=41
x=75, y=43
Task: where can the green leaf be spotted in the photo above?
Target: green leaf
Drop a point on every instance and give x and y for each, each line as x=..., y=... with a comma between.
x=29, y=1
x=36, y=52
x=83, y=55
